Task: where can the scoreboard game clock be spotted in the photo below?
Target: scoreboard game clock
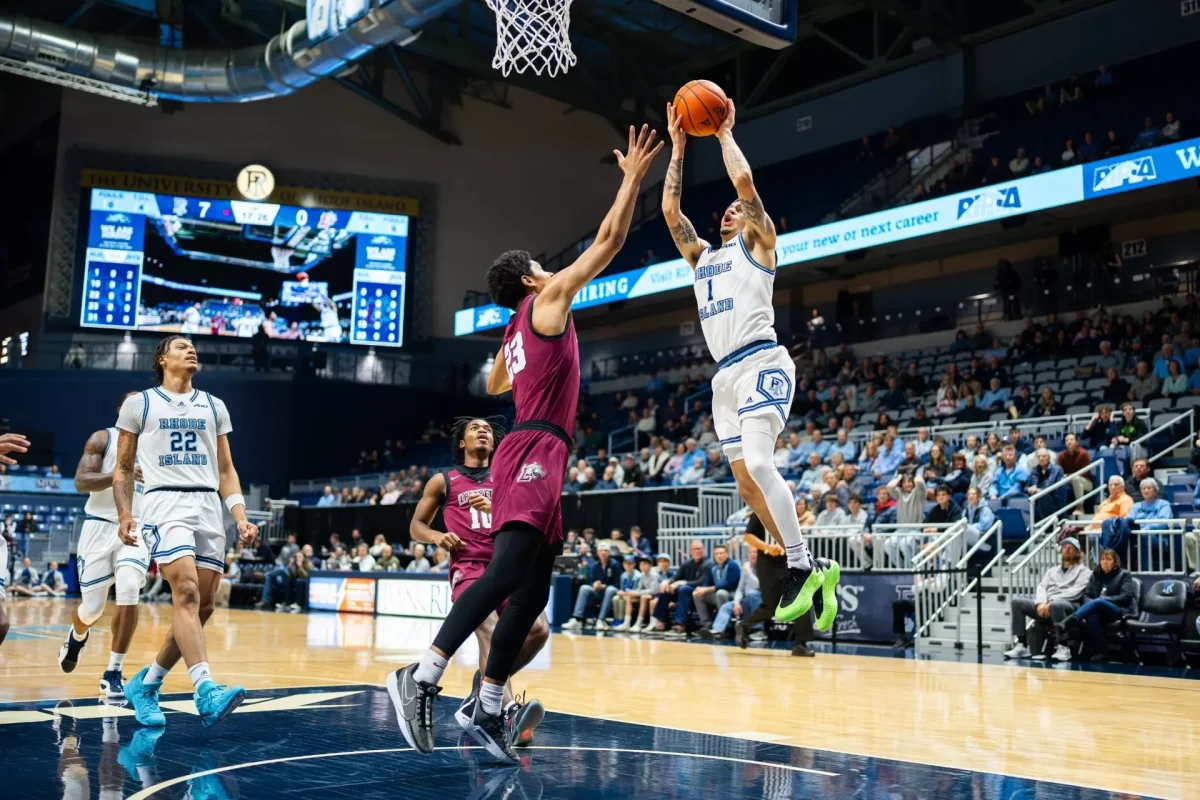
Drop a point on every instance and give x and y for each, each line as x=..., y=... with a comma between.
x=156, y=261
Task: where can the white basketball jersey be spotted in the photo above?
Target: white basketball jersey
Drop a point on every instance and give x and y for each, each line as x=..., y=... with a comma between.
x=734, y=296
x=101, y=504
x=329, y=318
x=192, y=316
x=177, y=436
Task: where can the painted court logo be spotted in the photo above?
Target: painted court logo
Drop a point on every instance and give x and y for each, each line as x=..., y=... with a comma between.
x=1124, y=173
x=531, y=472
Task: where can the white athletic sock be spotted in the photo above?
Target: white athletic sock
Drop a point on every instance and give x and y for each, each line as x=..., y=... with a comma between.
x=115, y=661
x=76, y=637
x=156, y=673
x=758, y=448
x=490, y=697
x=431, y=667
x=199, y=674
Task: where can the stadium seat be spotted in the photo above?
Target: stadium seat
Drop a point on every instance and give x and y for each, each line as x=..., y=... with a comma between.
x=1096, y=383
x=1012, y=521
x=1163, y=607
x=1159, y=404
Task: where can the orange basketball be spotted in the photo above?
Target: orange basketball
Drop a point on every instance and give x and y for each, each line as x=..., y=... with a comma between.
x=702, y=106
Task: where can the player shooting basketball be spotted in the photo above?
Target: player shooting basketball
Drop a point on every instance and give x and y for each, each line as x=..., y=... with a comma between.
x=465, y=494
x=752, y=390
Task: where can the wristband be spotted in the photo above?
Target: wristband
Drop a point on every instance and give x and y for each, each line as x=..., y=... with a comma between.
x=234, y=500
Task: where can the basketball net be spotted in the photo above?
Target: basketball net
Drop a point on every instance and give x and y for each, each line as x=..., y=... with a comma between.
x=532, y=34
x=281, y=257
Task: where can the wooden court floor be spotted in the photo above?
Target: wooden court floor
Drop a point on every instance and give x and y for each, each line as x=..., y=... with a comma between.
x=1123, y=733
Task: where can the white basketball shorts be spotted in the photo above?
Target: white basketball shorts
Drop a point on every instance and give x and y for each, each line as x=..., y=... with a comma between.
x=177, y=523
x=101, y=551
x=760, y=384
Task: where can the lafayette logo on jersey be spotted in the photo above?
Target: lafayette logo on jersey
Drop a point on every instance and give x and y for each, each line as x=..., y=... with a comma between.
x=1127, y=173
x=989, y=204
x=464, y=498
x=531, y=472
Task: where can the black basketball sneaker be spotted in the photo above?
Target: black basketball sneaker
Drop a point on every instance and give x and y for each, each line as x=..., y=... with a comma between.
x=524, y=717
x=492, y=732
x=68, y=653
x=466, y=709
x=414, y=707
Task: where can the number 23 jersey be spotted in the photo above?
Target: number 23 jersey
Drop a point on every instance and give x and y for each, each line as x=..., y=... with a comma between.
x=177, y=436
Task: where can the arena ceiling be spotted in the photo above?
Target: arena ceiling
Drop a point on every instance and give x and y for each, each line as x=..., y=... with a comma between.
x=632, y=53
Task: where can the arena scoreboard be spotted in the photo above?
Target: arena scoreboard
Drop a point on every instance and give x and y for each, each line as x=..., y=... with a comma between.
x=227, y=267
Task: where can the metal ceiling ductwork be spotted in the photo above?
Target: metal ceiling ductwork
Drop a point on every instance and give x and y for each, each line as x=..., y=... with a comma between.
x=287, y=63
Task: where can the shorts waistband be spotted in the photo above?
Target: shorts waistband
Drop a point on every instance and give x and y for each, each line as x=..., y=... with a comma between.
x=545, y=426
x=186, y=489
x=744, y=351
x=88, y=517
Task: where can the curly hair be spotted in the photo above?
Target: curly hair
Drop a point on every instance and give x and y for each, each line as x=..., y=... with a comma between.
x=160, y=350
x=460, y=430
x=504, y=278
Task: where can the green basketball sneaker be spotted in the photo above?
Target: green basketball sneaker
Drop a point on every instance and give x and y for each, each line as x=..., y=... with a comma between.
x=798, y=593
x=827, y=608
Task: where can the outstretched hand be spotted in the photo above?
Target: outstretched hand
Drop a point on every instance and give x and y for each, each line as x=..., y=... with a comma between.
x=727, y=123
x=12, y=443
x=675, y=128
x=642, y=150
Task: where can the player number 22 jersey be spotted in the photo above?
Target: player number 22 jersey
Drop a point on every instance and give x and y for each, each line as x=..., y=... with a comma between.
x=177, y=436
x=733, y=293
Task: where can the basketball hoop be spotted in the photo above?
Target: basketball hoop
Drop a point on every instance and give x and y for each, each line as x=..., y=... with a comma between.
x=532, y=34
x=281, y=258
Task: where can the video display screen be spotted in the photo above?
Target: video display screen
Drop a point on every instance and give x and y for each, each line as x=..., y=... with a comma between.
x=191, y=265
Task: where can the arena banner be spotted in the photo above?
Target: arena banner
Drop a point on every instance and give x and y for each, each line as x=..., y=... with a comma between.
x=865, y=605
x=1061, y=187
x=34, y=483
x=328, y=593
x=414, y=596
x=228, y=190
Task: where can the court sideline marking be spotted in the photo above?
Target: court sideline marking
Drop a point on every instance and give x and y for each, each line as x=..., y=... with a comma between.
x=158, y=787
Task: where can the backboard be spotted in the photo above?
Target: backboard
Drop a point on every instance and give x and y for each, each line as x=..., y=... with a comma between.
x=769, y=23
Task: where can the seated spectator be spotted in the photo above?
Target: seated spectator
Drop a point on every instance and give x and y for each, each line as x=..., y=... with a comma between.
x=296, y=592
x=694, y=463
x=1042, y=477
x=1144, y=383
x=1111, y=594
x=1071, y=91
x=958, y=477
x=637, y=592
x=377, y=546
x=1046, y=100
x=1010, y=477
x=1069, y=156
x=441, y=560
x=1048, y=405
x=746, y=597
x=1100, y=431
x=1031, y=460
x=637, y=542
x=832, y=515
x=717, y=469
x=969, y=411
x=633, y=478
x=1117, y=504
x=363, y=562
x=1022, y=405
x=803, y=514
x=996, y=397
x=883, y=512
x=655, y=468
x=781, y=456
x=338, y=560
x=1148, y=137
x=1117, y=389
x=419, y=563
x=1089, y=150
x=228, y=578
x=694, y=573
x=996, y=173
x=724, y=577
x=843, y=445
x=1104, y=80
x=1073, y=459
x=981, y=475
x=605, y=581
x=936, y=466
x=391, y=496
x=812, y=475
x=1058, y=595
x=1113, y=146
x=1176, y=383
x=1173, y=130
x=948, y=405
x=328, y=498
x=1039, y=166
x=388, y=562
x=1126, y=430
x=607, y=482
x=944, y=510
x=979, y=517
x=1019, y=167
x=25, y=580
x=51, y=583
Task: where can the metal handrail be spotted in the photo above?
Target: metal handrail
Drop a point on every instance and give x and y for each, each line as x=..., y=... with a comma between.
x=1097, y=464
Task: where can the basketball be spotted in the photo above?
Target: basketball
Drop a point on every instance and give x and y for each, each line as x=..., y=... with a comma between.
x=702, y=106
x=302, y=277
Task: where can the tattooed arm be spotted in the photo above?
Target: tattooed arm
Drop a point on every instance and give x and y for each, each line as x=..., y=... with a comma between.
x=760, y=230
x=690, y=246
x=122, y=485
x=89, y=475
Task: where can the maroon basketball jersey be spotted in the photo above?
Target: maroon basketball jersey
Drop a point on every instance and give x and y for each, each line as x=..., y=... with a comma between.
x=543, y=370
x=472, y=526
